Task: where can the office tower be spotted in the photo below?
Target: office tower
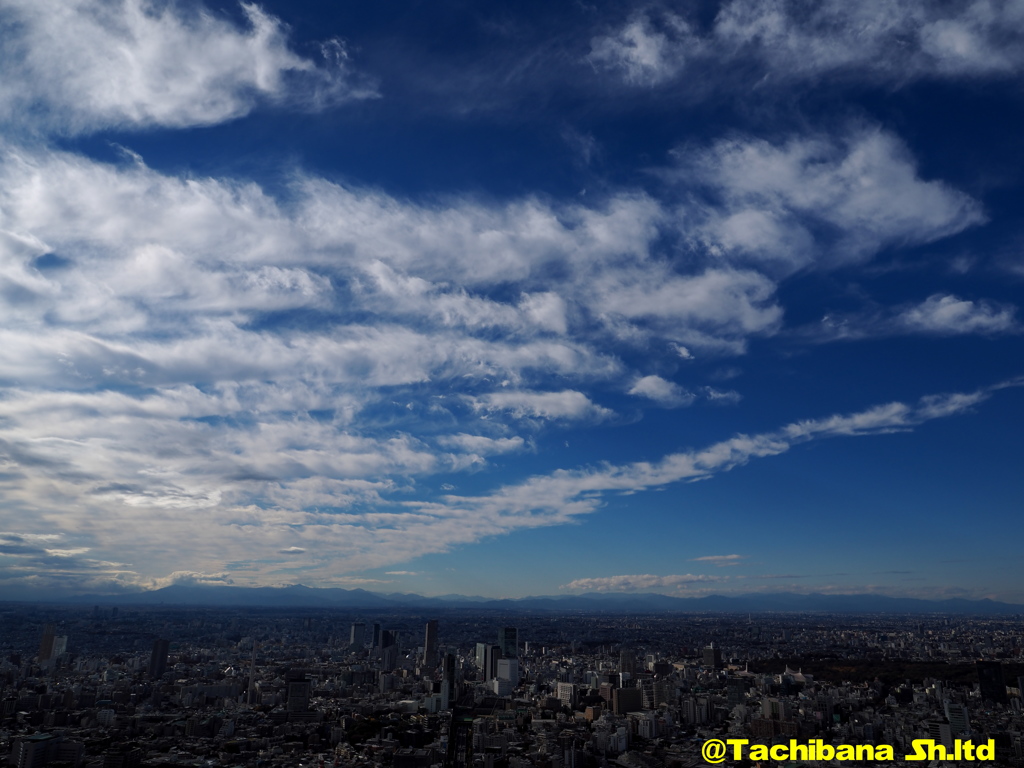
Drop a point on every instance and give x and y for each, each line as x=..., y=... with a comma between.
x=46, y=643
x=508, y=639
x=626, y=700
x=508, y=669
x=251, y=697
x=736, y=690
x=566, y=693
x=158, y=659
x=941, y=732
x=448, y=681
x=959, y=721
x=990, y=680
x=388, y=650
x=430, y=644
x=627, y=661
x=40, y=749
x=713, y=657
x=299, y=691
x=357, y=635
x=376, y=636
x=490, y=667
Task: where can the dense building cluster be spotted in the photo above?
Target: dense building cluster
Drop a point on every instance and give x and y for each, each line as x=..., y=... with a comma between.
x=176, y=687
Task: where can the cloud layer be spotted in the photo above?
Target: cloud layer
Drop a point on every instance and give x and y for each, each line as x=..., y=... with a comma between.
x=84, y=65
x=193, y=351
x=787, y=40
x=290, y=384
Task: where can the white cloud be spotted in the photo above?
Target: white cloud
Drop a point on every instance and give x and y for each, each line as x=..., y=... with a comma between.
x=717, y=310
x=82, y=65
x=720, y=560
x=194, y=578
x=947, y=314
x=721, y=396
x=664, y=392
x=101, y=490
x=638, y=582
x=481, y=444
x=355, y=581
x=150, y=390
x=559, y=497
x=895, y=41
x=939, y=315
x=820, y=200
x=647, y=50
x=567, y=404
x=876, y=40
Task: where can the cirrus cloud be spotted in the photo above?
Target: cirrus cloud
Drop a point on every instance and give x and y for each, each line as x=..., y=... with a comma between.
x=638, y=582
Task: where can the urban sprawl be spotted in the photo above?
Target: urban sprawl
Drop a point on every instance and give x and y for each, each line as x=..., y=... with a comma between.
x=108, y=687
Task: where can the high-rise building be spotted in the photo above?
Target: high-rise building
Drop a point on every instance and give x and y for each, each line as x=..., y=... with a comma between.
x=388, y=650
x=959, y=721
x=508, y=669
x=376, y=636
x=941, y=732
x=491, y=655
x=566, y=693
x=299, y=692
x=627, y=700
x=251, y=697
x=990, y=680
x=40, y=749
x=357, y=635
x=627, y=661
x=508, y=639
x=430, y=644
x=46, y=643
x=736, y=689
x=713, y=657
x=448, y=681
x=158, y=659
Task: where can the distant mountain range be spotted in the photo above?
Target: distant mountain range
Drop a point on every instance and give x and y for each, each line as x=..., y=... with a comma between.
x=299, y=596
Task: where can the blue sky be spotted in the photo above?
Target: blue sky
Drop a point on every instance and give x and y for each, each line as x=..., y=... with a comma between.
x=512, y=298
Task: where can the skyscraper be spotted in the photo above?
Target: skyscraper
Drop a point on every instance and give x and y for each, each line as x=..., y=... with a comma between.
x=430, y=644
x=990, y=680
x=388, y=650
x=46, y=643
x=491, y=655
x=508, y=669
x=251, y=695
x=357, y=635
x=158, y=659
x=448, y=681
x=298, y=691
x=713, y=657
x=508, y=639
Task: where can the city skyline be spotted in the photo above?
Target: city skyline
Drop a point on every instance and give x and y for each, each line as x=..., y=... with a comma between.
x=467, y=300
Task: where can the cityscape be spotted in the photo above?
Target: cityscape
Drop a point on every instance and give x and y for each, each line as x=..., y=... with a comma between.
x=179, y=687
x=511, y=383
